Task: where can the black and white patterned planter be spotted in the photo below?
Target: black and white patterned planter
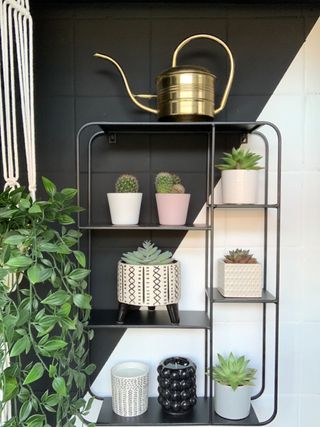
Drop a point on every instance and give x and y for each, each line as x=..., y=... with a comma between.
x=149, y=286
x=177, y=385
x=130, y=382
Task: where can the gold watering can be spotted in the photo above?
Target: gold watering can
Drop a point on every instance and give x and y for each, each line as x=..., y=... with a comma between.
x=184, y=93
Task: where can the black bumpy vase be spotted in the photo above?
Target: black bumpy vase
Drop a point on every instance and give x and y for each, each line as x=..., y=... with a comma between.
x=177, y=385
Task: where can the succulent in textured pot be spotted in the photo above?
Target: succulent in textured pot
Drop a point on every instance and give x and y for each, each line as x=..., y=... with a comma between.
x=239, y=176
x=232, y=386
x=148, y=277
x=172, y=201
x=44, y=329
x=125, y=203
x=239, y=275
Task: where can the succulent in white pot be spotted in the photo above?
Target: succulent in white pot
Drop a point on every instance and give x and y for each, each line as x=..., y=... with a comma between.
x=149, y=278
x=239, y=275
x=172, y=200
x=233, y=381
x=239, y=176
x=125, y=203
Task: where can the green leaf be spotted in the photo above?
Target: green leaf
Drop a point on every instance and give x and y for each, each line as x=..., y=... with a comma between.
x=36, y=420
x=48, y=247
x=7, y=213
x=35, y=209
x=25, y=410
x=19, y=261
x=65, y=219
x=69, y=193
x=82, y=301
x=54, y=345
x=14, y=239
x=49, y=186
x=24, y=204
x=59, y=386
x=79, y=274
x=80, y=257
x=35, y=374
x=64, y=310
x=10, y=388
x=90, y=369
x=23, y=344
x=52, y=400
x=38, y=274
x=52, y=370
x=57, y=298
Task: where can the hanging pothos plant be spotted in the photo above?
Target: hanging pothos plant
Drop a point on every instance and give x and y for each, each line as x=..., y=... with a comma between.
x=45, y=317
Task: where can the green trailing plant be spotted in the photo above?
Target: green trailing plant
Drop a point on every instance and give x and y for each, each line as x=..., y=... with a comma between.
x=148, y=254
x=44, y=319
x=166, y=182
x=233, y=371
x=240, y=159
x=239, y=256
x=127, y=184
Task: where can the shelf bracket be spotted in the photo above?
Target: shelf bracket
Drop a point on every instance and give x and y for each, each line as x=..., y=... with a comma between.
x=243, y=138
x=112, y=139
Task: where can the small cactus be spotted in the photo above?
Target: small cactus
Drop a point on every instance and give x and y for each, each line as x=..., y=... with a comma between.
x=239, y=256
x=127, y=184
x=168, y=183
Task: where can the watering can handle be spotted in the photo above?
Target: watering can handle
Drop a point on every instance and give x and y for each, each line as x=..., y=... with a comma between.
x=231, y=75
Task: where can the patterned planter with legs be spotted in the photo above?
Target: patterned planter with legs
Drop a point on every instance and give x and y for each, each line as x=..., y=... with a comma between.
x=149, y=286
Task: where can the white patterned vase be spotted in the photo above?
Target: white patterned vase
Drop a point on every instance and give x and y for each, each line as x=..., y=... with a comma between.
x=149, y=285
x=130, y=382
x=239, y=280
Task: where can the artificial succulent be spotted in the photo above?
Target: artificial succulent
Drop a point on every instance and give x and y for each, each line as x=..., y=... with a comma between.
x=240, y=158
x=239, y=256
x=233, y=371
x=148, y=254
x=127, y=184
x=166, y=182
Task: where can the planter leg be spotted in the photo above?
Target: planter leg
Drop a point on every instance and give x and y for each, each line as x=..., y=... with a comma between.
x=173, y=312
x=122, y=312
x=151, y=308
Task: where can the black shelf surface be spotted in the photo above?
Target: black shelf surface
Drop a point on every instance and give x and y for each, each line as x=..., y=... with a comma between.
x=199, y=415
x=155, y=415
x=215, y=296
x=251, y=420
x=183, y=127
x=149, y=319
x=157, y=227
x=245, y=206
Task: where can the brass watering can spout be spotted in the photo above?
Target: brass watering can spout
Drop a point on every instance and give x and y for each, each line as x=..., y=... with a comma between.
x=184, y=92
x=125, y=80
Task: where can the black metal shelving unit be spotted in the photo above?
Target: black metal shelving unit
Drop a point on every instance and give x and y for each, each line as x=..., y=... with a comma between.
x=203, y=413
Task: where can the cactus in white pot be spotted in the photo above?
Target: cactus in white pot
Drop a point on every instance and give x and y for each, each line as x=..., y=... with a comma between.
x=233, y=381
x=125, y=203
x=239, y=176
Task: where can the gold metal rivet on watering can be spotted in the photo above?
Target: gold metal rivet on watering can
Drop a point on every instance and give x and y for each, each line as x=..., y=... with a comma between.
x=184, y=93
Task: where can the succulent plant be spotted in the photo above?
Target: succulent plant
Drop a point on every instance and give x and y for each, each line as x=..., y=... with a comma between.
x=127, y=184
x=233, y=371
x=240, y=159
x=168, y=183
x=149, y=254
x=239, y=256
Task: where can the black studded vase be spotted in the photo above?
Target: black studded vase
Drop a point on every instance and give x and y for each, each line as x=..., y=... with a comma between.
x=177, y=385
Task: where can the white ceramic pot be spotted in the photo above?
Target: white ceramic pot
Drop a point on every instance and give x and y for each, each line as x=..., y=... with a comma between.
x=239, y=280
x=130, y=388
x=239, y=186
x=124, y=208
x=149, y=285
x=232, y=404
x=172, y=208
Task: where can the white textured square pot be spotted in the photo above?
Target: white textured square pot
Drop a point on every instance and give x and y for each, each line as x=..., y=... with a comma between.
x=130, y=382
x=232, y=404
x=239, y=280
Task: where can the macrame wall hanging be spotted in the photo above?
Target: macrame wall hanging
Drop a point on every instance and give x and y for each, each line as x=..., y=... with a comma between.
x=16, y=103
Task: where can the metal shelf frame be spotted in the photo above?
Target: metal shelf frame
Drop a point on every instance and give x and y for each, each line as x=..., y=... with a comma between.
x=89, y=133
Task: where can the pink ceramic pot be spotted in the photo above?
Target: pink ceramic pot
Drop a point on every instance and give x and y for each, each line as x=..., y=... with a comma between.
x=172, y=208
